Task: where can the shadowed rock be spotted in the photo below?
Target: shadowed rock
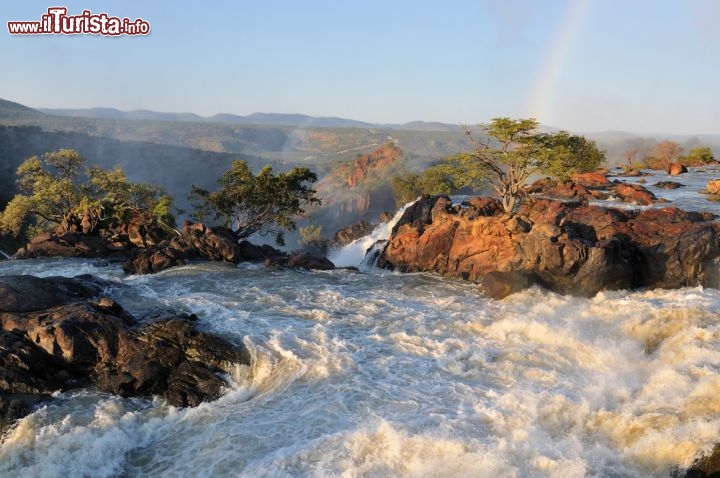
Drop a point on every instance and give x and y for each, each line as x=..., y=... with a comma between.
x=58, y=333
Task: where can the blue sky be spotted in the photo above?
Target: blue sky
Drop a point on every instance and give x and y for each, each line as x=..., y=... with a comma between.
x=646, y=66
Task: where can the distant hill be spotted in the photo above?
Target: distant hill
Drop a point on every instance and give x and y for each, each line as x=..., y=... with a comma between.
x=297, y=139
x=112, y=113
x=12, y=111
x=266, y=119
x=306, y=142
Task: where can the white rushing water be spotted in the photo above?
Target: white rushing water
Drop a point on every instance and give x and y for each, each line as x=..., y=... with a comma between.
x=380, y=374
x=353, y=254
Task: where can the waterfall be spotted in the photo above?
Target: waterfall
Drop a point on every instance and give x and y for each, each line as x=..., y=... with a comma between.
x=365, y=250
x=4, y=255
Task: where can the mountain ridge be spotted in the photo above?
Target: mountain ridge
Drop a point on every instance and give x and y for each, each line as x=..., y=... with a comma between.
x=300, y=119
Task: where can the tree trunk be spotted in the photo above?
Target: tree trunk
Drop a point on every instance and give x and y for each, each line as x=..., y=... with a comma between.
x=508, y=202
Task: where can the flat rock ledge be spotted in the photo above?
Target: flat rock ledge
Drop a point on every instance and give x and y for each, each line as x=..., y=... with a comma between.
x=61, y=333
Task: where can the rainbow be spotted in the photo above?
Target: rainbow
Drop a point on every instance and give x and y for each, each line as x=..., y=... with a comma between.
x=543, y=98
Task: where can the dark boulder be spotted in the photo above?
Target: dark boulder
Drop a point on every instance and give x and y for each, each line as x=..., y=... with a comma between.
x=197, y=242
x=668, y=185
x=706, y=467
x=59, y=333
x=349, y=234
x=303, y=260
x=24, y=293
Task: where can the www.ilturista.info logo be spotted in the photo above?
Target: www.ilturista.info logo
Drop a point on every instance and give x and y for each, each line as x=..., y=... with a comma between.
x=57, y=22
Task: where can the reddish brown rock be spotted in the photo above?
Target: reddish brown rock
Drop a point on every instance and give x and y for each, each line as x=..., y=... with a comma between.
x=593, y=179
x=564, y=190
x=379, y=159
x=676, y=168
x=568, y=247
x=633, y=193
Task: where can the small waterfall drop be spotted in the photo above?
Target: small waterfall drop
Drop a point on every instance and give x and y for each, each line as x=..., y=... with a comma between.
x=4, y=255
x=365, y=250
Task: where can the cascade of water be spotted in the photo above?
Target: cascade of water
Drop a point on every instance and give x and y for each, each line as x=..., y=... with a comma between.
x=365, y=250
x=4, y=254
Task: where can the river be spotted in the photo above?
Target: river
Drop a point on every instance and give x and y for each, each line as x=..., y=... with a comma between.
x=374, y=373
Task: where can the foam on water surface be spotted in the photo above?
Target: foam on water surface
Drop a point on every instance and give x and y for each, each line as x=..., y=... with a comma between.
x=376, y=373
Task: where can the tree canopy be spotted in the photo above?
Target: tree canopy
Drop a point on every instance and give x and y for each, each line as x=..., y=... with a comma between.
x=664, y=153
x=59, y=184
x=440, y=178
x=515, y=150
x=265, y=203
x=699, y=156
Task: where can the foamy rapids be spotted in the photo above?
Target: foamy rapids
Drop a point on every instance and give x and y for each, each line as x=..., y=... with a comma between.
x=373, y=373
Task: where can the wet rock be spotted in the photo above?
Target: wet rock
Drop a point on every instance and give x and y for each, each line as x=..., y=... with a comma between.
x=676, y=168
x=706, y=467
x=568, y=247
x=303, y=260
x=65, y=335
x=564, y=190
x=593, y=179
x=633, y=193
x=385, y=216
x=254, y=253
x=668, y=185
x=24, y=293
x=197, y=242
x=355, y=231
x=632, y=173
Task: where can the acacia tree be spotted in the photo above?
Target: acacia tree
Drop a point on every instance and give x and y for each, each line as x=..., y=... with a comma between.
x=664, y=153
x=249, y=204
x=58, y=184
x=515, y=150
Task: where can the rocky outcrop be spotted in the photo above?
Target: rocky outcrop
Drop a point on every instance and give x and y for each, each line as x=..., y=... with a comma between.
x=713, y=187
x=675, y=169
x=197, y=242
x=593, y=179
x=566, y=189
x=59, y=333
x=590, y=186
x=567, y=246
x=633, y=193
x=77, y=237
x=377, y=160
